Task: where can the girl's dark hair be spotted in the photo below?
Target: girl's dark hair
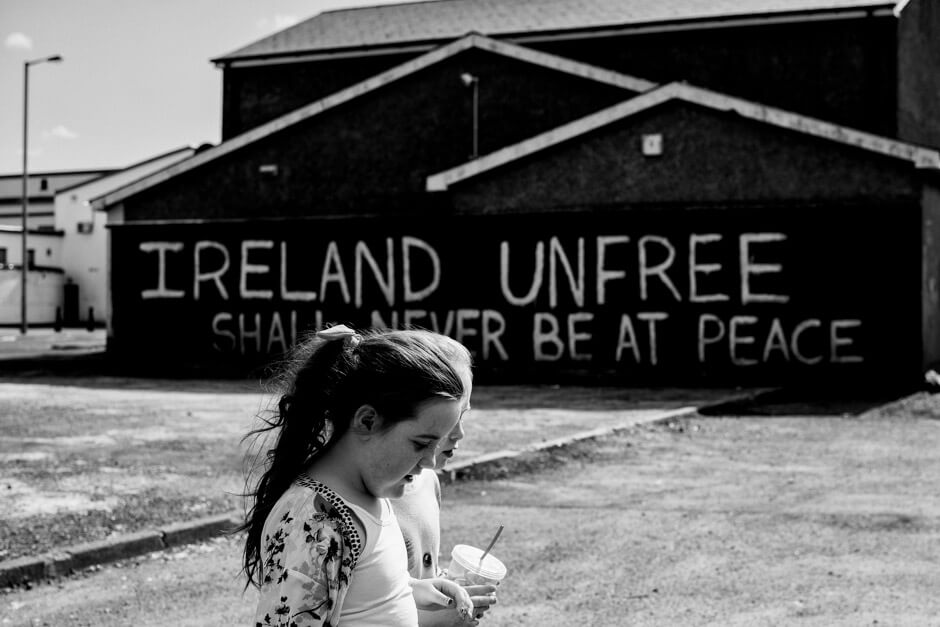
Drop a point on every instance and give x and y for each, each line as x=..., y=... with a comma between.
x=393, y=371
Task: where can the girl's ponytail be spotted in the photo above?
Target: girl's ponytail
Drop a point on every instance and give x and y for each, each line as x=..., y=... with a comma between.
x=304, y=430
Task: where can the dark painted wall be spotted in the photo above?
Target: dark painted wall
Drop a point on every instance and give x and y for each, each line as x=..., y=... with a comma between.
x=708, y=157
x=253, y=95
x=672, y=295
x=842, y=71
x=919, y=73
x=372, y=154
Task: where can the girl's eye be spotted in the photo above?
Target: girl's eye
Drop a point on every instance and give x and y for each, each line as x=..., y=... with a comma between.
x=422, y=445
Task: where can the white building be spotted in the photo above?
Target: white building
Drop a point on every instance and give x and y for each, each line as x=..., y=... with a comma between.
x=67, y=242
x=41, y=188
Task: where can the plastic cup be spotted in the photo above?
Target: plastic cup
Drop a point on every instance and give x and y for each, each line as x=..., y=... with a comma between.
x=465, y=567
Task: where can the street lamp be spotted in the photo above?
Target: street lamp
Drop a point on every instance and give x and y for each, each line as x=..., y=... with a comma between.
x=24, y=325
x=469, y=80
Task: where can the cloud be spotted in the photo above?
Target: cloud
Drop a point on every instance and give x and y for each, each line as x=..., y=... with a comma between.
x=278, y=22
x=18, y=41
x=60, y=132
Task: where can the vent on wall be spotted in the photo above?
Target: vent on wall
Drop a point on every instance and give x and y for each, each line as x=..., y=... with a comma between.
x=85, y=227
x=652, y=144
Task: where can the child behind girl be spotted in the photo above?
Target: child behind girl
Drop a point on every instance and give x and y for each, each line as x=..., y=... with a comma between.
x=358, y=418
x=419, y=512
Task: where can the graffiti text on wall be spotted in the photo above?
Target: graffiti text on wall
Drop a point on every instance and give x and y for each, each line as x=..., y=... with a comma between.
x=616, y=297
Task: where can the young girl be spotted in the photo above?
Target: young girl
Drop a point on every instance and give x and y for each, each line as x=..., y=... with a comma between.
x=360, y=416
x=419, y=512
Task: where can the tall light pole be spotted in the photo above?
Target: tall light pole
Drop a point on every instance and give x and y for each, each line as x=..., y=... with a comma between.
x=469, y=80
x=24, y=325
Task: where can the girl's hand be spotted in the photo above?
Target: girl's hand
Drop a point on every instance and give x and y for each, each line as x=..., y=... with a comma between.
x=440, y=593
x=482, y=596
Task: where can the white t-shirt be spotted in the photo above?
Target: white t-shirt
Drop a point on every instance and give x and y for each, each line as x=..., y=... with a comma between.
x=379, y=593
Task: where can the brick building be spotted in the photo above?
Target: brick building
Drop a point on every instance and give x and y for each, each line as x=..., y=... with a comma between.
x=666, y=193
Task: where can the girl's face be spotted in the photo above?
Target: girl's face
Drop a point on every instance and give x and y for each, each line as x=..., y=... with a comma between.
x=450, y=445
x=397, y=455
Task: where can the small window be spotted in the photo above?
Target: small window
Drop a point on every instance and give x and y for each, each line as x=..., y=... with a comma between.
x=30, y=257
x=43, y=184
x=3, y=256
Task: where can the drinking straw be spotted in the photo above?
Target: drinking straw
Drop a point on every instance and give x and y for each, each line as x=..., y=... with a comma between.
x=492, y=542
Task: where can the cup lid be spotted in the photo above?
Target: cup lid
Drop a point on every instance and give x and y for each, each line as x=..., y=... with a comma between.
x=469, y=557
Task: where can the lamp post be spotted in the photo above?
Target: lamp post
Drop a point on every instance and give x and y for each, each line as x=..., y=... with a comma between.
x=469, y=80
x=24, y=325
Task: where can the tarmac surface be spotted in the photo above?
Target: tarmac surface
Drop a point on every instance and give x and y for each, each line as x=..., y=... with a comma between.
x=44, y=343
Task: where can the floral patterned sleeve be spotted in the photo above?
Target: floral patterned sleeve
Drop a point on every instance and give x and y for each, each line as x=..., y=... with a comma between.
x=306, y=565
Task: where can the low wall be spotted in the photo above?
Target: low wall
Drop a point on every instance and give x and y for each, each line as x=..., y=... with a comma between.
x=44, y=292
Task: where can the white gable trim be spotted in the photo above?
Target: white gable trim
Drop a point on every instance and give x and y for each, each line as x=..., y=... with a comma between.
x=433, y=57
x=920, y=157
x=899, y=7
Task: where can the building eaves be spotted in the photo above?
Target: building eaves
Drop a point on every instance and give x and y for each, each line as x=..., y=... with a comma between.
x=386, y=28
x=920, y=157
x=98, y=180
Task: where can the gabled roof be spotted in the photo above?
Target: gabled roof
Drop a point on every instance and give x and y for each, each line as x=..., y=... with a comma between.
x=919, y=156
x=473, y=40
x=176, y=151
x=429, y=23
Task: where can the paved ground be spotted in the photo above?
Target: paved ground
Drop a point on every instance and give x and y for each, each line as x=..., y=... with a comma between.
x=795, y=514
x=47, y=342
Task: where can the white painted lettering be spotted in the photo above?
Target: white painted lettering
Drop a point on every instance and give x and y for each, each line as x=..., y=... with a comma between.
x=575, y=336
x=704, y=339
x=576, y=284
x=545, y=330
x=494, y=325
x=161, y=249
x=215, y=275
x=603, y=274
x=287, y=295
x=250, y=268
x=219, y=332
x=536, y=275
x=750, y=268
x=836, y=341
x=659, y=269
x=627, y=339
x=736, y=338
x=652, y=318
x=411, y=295
x=387, y=283
x=696, y=268
x=333, y=273
x=795, y=341
x=463, y=330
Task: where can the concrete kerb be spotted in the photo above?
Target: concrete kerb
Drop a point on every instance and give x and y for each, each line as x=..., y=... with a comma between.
x=77, y=557
x=25, y=570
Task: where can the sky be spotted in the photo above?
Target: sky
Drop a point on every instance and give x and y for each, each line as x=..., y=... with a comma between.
x=135, y=80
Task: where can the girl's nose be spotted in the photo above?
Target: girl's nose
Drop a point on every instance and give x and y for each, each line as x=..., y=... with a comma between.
x=428, y=460
x=457, y=432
